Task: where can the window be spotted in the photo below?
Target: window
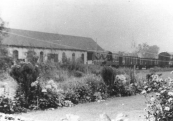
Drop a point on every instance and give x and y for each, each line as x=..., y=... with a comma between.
x=41, y=56
x=89, y=55
x=53, y=57
x=15, y=54
x=64, y=57
x=73, y=57
x=82, y=57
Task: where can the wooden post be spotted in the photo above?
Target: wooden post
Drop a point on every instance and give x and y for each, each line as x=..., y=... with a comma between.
x=87, y=66
x=134, y=72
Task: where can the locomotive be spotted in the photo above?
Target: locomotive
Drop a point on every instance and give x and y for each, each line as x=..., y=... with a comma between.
x=116, y=60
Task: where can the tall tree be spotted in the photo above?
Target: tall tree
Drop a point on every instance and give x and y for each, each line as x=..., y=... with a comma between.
x=147, y=51
x=3, y=33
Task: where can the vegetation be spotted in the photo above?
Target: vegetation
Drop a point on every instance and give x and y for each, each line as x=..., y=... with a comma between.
x=146, y=50
x=160, y=104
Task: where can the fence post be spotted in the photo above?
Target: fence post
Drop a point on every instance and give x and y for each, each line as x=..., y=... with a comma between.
x=134, y=72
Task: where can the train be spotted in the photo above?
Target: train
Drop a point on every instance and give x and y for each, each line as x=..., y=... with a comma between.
x=117, y=60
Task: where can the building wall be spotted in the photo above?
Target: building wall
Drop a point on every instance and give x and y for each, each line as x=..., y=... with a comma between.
x=22, y=53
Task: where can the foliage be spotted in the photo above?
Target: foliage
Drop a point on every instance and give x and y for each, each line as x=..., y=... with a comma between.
x=48, y=85
x=25, y=74
x=159, y=69
x=64, y=58
x=3, y=29
x=147, y=51
x=5, y=61
x=85, y=89
x=31, y=56
x=107, y=74
x=78, y=74
x=74, y=66
x=95, y=69
x=160, y=104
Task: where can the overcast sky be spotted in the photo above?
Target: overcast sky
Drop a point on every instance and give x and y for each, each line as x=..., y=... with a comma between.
x=114, y=24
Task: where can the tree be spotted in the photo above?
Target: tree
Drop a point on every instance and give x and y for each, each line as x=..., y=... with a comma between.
x=32, y=56
x=3, y=33
x=147, y=51
x=3, y=30
x=5, y=61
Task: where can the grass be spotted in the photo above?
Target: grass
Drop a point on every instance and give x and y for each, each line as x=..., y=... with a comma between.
x=132, y=106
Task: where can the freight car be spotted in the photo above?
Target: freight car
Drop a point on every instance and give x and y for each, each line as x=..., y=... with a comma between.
x=116, y=60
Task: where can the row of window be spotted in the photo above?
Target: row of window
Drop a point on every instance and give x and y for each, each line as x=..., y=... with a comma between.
x=52, y=57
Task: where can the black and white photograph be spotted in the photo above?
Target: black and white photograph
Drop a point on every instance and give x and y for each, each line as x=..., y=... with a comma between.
x=86, y=60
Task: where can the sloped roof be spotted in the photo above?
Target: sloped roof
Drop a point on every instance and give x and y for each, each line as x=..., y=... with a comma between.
x=26, y=38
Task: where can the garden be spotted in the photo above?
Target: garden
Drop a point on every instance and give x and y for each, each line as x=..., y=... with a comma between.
x=36, y=88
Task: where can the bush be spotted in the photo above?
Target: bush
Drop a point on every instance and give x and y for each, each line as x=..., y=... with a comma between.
x=78, y=74
x=107, y=74
x=25, y=74
x=95, y=69
x=74, y=66
x=79, y=90
x=160, y=104
x=159, y=69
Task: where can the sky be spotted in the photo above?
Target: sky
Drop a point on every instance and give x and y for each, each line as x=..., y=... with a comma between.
x=113, y=24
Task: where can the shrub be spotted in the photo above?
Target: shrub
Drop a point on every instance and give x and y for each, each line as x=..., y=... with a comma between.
x=79, y=90
x=159, y=69
x=160, y=104
x=74, y=66
x=25, y=74
x=78, y=74
x=95, y=69
x=32, y=56
x=107, y=74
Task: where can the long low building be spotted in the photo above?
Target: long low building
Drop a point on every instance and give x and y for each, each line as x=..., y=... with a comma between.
x=49, y=45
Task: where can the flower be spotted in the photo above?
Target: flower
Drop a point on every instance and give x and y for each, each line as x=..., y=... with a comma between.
x=163, y=91
x=48, y=87
x=152, y=99
x=43, y=90
x=149, y=89
x=171, y=72
x=143, y=92
x=170, y=93
x=170, y=99
x=33, y=84
x=167, y=108
x=145, y=87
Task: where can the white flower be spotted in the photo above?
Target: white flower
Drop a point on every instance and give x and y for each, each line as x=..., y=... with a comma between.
x=51, y=82
x=167, y=108
x=163, y=91
x=171, y=72
x=170, y=99
x=170, y=93
x=143, y=92
x=145, y=87
x=149, y=89
x=157, y=94
x=48, y=87
x=43, y=90
x=33, y=84
x=152, y=99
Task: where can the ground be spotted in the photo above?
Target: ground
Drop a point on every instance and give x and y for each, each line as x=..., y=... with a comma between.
x=132, y=106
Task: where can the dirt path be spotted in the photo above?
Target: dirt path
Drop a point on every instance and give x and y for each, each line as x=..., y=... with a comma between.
x=132, y=106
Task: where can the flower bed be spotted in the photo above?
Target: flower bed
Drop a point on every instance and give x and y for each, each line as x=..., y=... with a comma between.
x=160, y=103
